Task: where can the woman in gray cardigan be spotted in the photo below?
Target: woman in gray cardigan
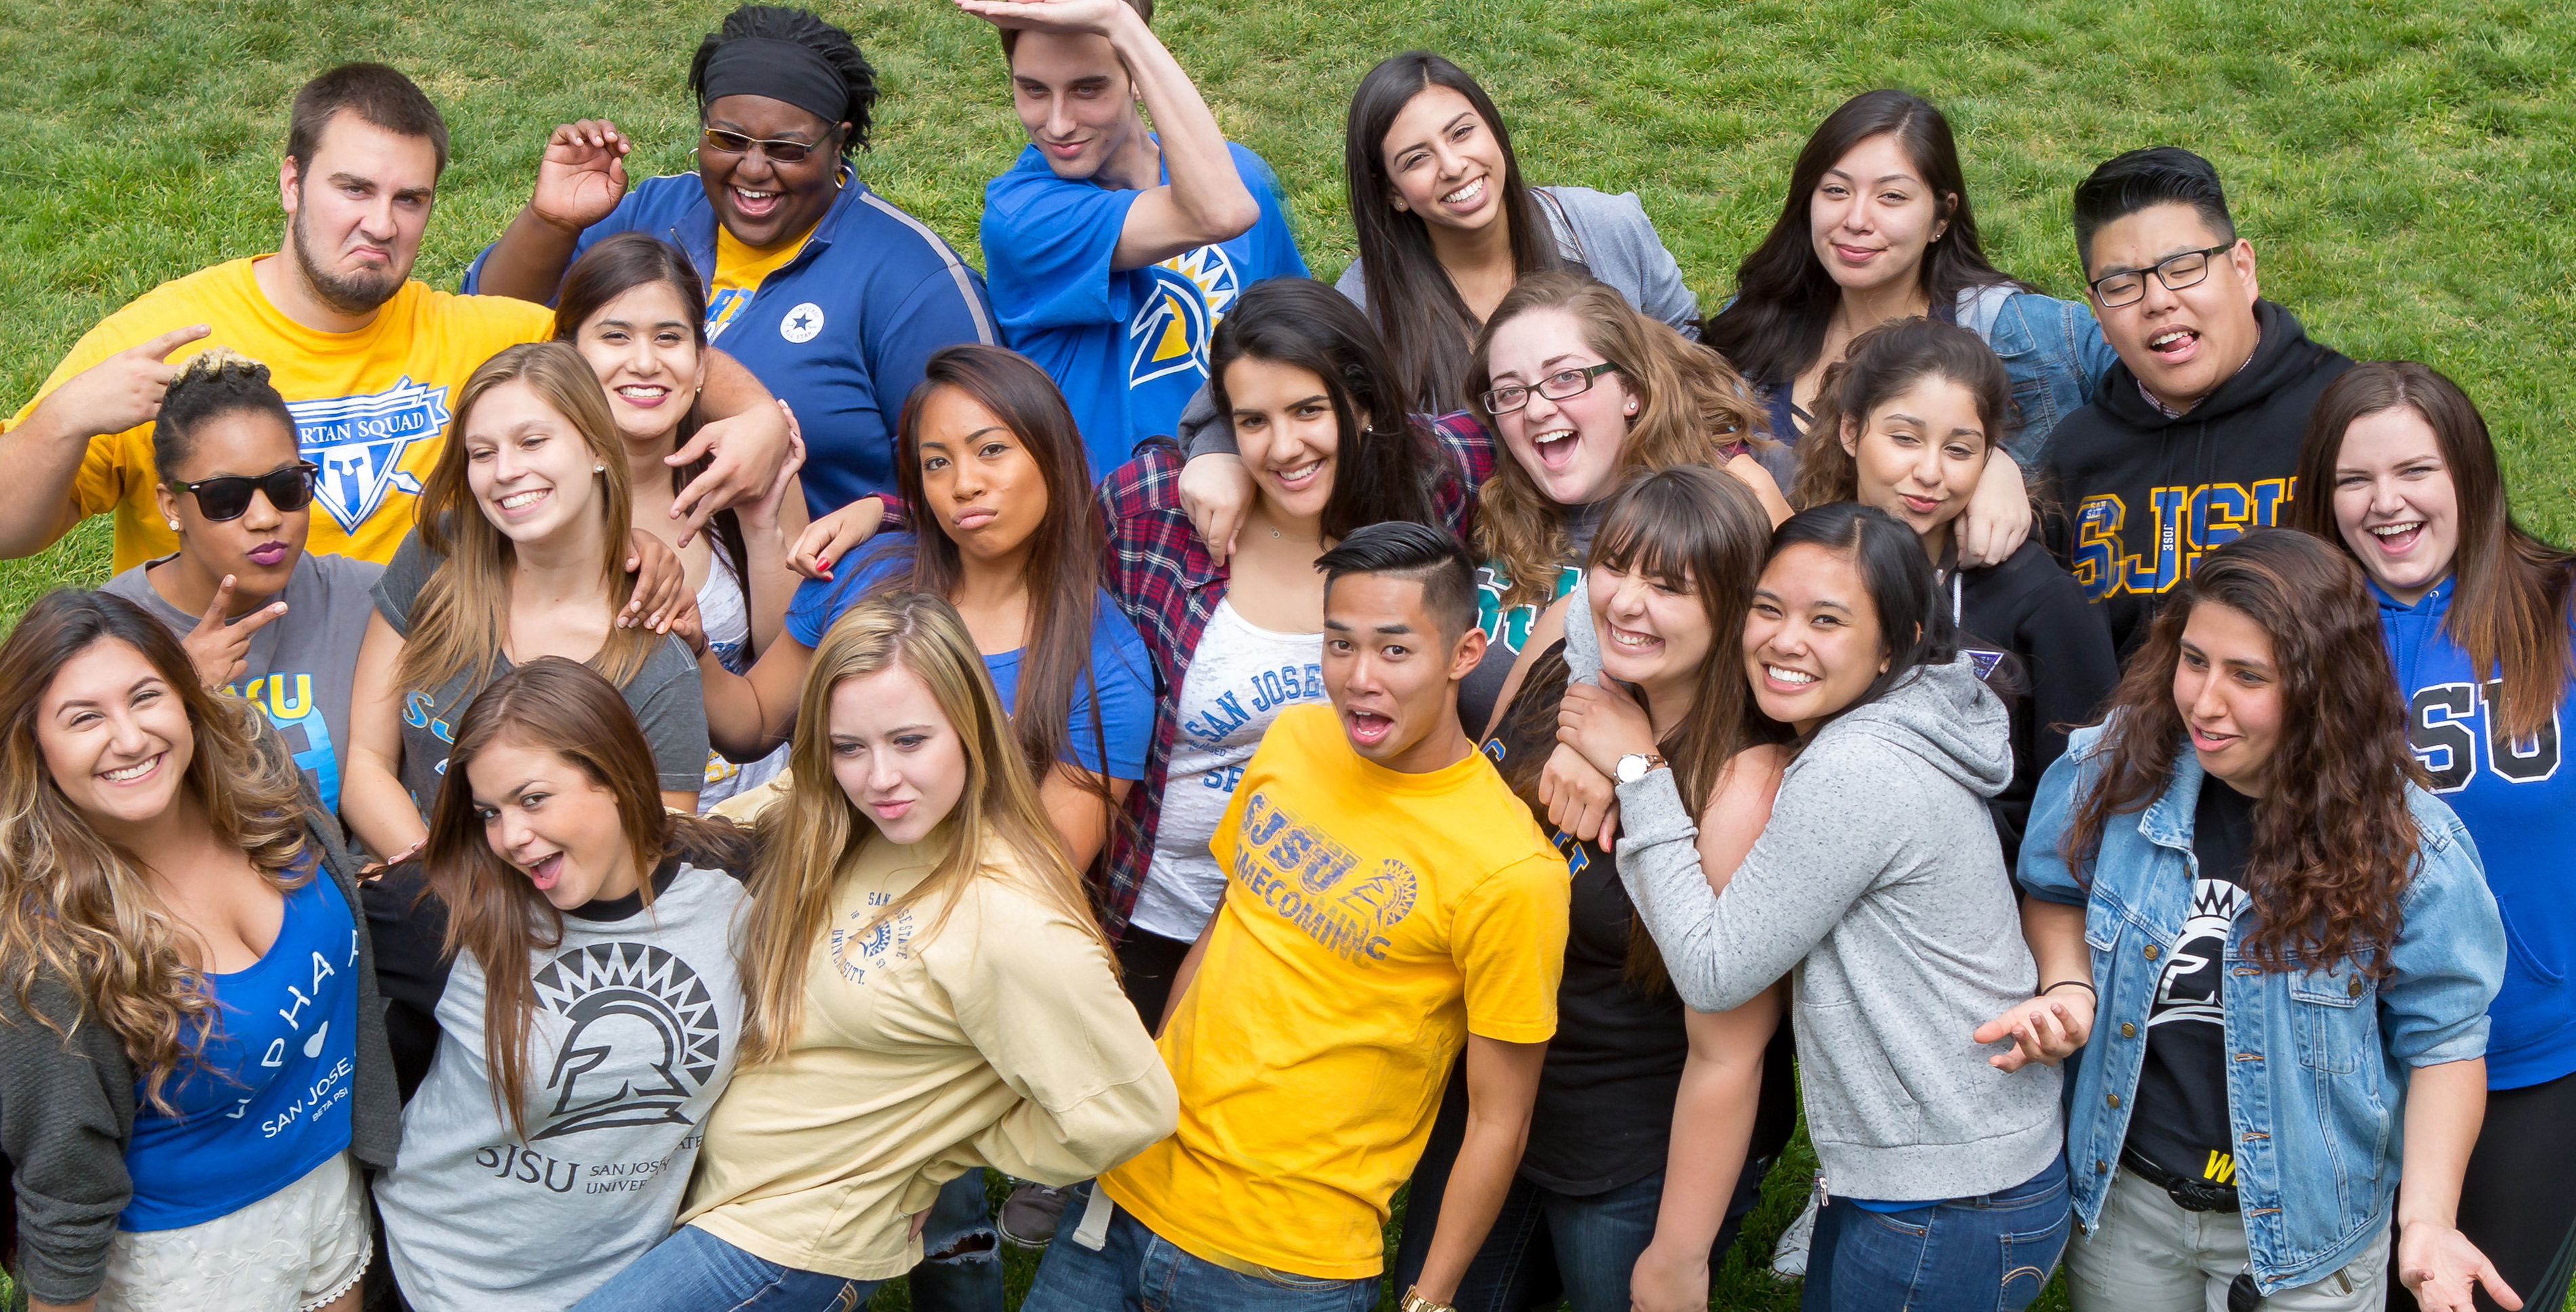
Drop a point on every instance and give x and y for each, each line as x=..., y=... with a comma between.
x=192, y=1056
x=1878, y=885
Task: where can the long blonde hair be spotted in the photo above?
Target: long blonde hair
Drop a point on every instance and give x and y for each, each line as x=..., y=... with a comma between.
x=1690, y=404
x=75, y=906
x=817, y=835
x=461, y=620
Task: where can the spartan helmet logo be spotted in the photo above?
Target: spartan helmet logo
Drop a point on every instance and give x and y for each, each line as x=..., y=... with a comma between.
x=643, y=1037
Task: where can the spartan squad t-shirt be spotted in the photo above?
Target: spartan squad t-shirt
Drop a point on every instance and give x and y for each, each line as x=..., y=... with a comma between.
x=2180, y=1123
x=638, y=1013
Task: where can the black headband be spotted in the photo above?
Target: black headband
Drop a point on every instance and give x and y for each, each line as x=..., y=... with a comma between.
x=779, y=70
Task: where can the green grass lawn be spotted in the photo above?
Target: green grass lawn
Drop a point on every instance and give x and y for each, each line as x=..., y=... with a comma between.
x=2407, y=173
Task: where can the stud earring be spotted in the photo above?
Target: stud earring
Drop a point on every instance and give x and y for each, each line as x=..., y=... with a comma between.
x=174, y=526
x=599, y=469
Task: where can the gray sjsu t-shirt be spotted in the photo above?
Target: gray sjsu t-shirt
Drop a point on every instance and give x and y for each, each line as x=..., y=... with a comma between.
x=300, y=666
x=631, y=1040
x=664, y=695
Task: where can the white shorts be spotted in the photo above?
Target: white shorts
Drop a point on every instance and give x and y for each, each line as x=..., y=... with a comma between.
x=293, y=1251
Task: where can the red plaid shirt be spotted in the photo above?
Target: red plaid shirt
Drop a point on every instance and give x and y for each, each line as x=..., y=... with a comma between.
x=1163, y=578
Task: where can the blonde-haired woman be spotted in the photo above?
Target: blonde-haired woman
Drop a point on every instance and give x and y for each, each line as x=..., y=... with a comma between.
x=191, y=1050
x=928, y=991
x=524, y=527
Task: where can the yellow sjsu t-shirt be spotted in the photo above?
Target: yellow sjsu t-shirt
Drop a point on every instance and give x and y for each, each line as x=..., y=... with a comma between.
x=371, y=407
x=1372, y=920
x=740, y=270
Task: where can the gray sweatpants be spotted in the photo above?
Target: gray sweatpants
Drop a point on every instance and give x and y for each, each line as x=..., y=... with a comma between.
x=2146, y=1254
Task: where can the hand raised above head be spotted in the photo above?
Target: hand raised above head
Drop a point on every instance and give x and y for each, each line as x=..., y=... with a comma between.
x=582, y=175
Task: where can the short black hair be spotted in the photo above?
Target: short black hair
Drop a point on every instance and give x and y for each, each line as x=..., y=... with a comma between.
x=1430, y=556
x=378, y=94
x=807, y=29
x=2156, y=175
x=215, y=381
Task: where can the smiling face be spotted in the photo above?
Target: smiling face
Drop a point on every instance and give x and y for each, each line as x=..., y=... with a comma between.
x=1811, y=642
x=2181, y=344
x=762, y=202
x=1570, y=448
x=550, y=821
x=894, y=752
x=1872, y=216
x=1392, y=673
x=531, y=473
x=2395, y=503
x=259, y=548
x=983, y=487
x=1919, y=456
x=2230, y=695
x=644, y=347
x=1074, y=100
x=1286, y=432
x=115, y=736
x=356, y=212
x=1444, y=162
x=1653, y=634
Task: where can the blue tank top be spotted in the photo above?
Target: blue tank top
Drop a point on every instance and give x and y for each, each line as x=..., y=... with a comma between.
x=266, y=1098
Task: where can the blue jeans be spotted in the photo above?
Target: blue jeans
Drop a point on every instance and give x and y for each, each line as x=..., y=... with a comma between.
x=1991, y=1253
x=693, y=1271
x=1136, y=1270
x=961, y=1264
x=1589, y=1245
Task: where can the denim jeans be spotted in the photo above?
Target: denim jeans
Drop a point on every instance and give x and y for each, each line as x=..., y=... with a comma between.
x=693, y=1271
x=1591, y=1244
x=961, y=1264
x=1991, y=1253
x=1136, y=1270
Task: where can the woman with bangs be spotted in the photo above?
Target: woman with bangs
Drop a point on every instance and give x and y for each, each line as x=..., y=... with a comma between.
x=193, y=1070
x=516, y=557
x=1635, y=1176
x=632, y=305
x=564, y=1002
x=928, y=990
x=2294, y=950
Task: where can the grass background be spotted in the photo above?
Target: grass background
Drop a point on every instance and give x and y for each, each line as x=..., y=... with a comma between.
x=2406, y=173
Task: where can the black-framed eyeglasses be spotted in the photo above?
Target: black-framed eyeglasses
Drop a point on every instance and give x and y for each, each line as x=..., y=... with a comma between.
x=735, y=143
x=1564, y=384
x=289, y=487
x=2125, y=286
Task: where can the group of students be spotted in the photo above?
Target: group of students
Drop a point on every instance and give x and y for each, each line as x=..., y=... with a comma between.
x=1216, y=748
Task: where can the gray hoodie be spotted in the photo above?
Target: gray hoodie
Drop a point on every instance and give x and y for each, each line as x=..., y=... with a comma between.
x=1880, y=881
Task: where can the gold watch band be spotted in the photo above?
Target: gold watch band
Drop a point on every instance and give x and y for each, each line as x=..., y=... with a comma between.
x=1415, y=1302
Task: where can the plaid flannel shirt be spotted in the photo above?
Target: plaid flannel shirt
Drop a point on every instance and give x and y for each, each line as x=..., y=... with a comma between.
x=1163, y=578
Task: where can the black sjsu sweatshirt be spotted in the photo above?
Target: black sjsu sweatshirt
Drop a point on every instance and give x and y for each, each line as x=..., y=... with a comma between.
x=2061, y=671
x=2143, y=496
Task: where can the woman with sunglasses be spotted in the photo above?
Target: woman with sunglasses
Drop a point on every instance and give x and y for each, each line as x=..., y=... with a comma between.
x=833, y=297
x=258, y=616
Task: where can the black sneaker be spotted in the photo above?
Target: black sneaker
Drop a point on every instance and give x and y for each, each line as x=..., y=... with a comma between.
x=1032, y=1212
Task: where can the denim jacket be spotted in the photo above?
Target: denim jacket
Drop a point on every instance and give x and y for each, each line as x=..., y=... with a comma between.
x=2316, y=1090
x=2052, y=351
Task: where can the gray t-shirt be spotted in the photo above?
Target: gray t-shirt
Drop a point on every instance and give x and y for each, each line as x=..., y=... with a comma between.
x=664, y=695
x=300, y=666
x=631, y=1041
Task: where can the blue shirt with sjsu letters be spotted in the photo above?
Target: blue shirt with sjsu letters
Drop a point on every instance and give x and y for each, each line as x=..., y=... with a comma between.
x=840, y=333
x=1127, y=346
x=1122, y=677
x=266, y=1099
x=2518, y=800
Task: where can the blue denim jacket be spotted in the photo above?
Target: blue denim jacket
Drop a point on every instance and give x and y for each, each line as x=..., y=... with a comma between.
x=2052, y=350
x=2316, y=1090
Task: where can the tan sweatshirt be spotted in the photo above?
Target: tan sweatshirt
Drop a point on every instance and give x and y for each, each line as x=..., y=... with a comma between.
x=1002, y=1040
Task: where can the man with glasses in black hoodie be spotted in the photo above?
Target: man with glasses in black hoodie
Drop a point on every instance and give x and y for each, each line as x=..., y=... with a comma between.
x=2191, y=439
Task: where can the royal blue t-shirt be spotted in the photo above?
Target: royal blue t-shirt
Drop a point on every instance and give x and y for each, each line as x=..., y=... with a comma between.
x=1127, y=347
x=267, y=1097
x=1120, y=673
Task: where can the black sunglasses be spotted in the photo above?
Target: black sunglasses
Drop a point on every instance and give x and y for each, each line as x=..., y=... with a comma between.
x=735, y=143
x=289, y=487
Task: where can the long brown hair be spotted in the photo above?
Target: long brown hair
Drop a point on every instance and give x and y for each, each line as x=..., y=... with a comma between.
x=999, y=829
x=2333, y=842
x=1694, y=529
x=76, y=907
x=461, y=620
x=493, y=912
x=1690, y=403
x=1880, y=365
x=2509, y=605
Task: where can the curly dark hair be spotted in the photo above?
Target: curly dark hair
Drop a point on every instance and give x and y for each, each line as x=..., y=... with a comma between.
x=2333, y=842
x=805, y=28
